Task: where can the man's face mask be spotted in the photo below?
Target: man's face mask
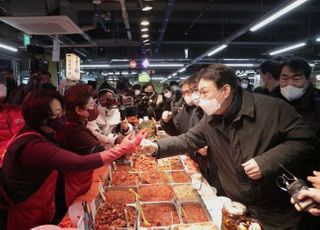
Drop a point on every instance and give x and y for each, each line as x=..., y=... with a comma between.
x=137, y=92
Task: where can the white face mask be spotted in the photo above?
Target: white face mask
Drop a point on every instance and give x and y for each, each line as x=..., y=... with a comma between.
x=167, y=95
x=210, y=106
x=244, y=85
x=3, y=91
x=137, y=92
x=188, y=100
x=262, y=83
x=292, y=93
x=195, y=98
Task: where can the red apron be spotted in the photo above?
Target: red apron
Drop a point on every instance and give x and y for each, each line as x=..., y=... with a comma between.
x=38, y=209
x=76, y=184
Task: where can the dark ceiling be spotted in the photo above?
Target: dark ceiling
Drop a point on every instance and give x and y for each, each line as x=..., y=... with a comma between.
x=199, y=25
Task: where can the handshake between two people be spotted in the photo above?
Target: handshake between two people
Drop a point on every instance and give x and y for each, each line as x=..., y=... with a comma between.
x=134, y=142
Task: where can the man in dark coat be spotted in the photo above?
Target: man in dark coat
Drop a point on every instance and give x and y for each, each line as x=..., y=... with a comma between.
x=296, y=89
x=250, y=137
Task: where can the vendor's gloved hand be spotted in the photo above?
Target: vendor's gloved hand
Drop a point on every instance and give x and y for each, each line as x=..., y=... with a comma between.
x=315, y=180
x=311, y=193
x=252, y=169
x=127, y=146
x=141, y=136
x=148, y=147
x=166, y=116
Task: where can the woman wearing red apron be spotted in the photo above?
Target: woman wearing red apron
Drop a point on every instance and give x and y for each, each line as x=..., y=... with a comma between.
x=75, y=137
x=32, y=160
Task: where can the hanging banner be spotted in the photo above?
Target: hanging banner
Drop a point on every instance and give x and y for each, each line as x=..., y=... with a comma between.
x=72, y=67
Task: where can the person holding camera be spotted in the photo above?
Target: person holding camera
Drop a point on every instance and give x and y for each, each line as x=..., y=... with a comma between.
x=148, y=101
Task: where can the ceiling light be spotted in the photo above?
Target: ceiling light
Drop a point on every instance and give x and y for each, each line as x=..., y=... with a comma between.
x=287, y=48
x=236, y=59
x=145, y=23
x=146, y=40
x=145, y=35
x=8, y=47
x=318, y=39
x=147, y=8
x=240, y=64
x=217, y=50
x=166, y=65
x=157, y=78
x=94, y=66
x=120, y=60
x=145, y=63
x=144, y=29
x=182, y=70
x=174, y=74
x=278, y=14
x=147, y=44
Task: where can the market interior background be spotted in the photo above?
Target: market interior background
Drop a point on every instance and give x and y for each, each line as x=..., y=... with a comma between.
x=162, y=39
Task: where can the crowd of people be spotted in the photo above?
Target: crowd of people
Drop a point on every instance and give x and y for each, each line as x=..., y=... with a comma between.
x=241, y=138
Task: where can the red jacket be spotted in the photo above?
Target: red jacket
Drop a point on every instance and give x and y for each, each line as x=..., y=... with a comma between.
x=11, y=121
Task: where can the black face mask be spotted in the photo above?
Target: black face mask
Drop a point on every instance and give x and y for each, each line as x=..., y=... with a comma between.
x=56, y=123
x=149, y=93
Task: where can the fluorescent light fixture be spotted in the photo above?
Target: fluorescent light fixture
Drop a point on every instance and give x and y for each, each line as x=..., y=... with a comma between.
x=95, y=66
x=125, y=73
x=217, y=50
x=157, y=78
x=236, y=59
x=278, y=14
x=81, y=71
x=147, y=8
x=174, y=74
x=103, y=66
x=318, y=39
x=146, y=40
x=240, y=64
x=182, y=70
x=144, y=29
x=147, y=44
x=145, y=23
x=145, y=35
x=119, y=60
x=4, y=46
x=287, y=48
x=166, y=65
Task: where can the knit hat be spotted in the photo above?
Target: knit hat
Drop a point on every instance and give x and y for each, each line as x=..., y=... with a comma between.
x=105, y=87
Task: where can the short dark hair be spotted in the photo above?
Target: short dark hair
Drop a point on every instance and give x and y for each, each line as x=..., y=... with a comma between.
x=298, y=65
x=148, y=84
x=136, y=87
x=36, y=107
x=272, y=67
x=77, y=95
x=221, y=75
